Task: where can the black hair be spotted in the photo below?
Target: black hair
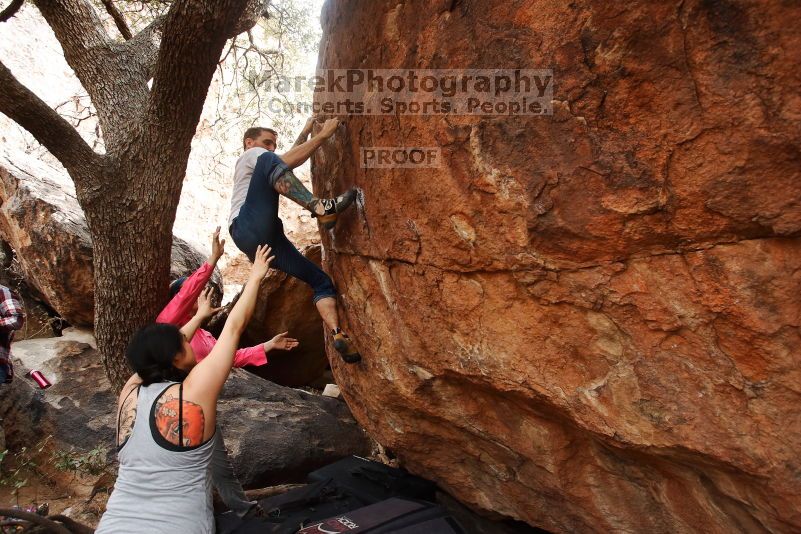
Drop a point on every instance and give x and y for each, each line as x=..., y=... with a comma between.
x=176, y=286
x=152, y=350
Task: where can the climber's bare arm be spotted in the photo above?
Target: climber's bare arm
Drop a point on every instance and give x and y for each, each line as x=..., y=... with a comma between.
x=304, y=134
x=298, y=155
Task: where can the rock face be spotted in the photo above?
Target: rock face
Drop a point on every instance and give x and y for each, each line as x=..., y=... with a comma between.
x=274, y=434
x=39, y=320
x=41, y=220
x=588, y=321
x=285, y=304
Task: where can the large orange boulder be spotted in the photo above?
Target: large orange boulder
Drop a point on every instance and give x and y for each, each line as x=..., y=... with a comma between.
x=285, y=305
x=589, y=320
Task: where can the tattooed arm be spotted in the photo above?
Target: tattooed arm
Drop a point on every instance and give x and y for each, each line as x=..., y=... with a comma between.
x=126, y=408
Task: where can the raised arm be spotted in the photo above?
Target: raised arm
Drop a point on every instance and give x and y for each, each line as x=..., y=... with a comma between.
x=205, y=309
x=206, y=379
x=179, y=309
x=304, y=133
x=297, y=155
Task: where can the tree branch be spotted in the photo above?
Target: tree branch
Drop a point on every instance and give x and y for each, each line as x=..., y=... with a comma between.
x=47, y=126
x=143, y=49
x=193, y=38
x=254, y=10
x=119, y=19
x=118, y=90
x=11, y=10
x=81, y=34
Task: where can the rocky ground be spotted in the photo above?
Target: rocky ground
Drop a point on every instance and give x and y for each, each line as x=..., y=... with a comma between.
x=61, y=440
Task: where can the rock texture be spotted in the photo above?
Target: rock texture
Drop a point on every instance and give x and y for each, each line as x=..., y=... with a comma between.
x=40, y=321
x=285, y=304
x=41, y=220
x=274, y=434
x=588, y=321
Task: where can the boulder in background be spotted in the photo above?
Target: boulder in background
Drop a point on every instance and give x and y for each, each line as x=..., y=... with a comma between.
x=42, y=222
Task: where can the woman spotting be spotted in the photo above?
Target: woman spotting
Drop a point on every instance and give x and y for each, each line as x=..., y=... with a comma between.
x=167, y=421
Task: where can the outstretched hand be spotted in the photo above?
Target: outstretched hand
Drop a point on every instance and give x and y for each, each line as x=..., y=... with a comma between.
x=205, y=308
x=261, y=263
x=281, y=342
x=217, y=247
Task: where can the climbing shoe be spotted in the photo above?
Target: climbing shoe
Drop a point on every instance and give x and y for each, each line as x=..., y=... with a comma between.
x=345, y=347
x=335, y=206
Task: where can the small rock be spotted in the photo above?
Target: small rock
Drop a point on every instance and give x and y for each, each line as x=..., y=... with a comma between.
x=332, y=390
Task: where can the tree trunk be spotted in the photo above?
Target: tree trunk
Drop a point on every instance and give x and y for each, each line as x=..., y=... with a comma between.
x=133, y=296
x=131, y=230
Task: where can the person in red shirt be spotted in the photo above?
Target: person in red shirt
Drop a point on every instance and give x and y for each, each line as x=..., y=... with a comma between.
x=183, y=306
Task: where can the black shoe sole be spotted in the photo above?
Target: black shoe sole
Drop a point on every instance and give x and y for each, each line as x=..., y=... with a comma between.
x=349, y=358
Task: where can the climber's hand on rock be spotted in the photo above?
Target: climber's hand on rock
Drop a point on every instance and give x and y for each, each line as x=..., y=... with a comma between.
x=309, y=124
x=329, y=127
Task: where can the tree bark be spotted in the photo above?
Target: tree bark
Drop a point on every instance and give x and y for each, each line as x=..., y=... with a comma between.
x=131, y=269
x=11, y=10
x=119, y=19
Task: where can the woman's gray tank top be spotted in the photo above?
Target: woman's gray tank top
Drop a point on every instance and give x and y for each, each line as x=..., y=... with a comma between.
x=159, y=489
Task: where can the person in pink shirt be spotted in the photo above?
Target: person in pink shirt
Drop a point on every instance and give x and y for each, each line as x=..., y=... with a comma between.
x=183, y=306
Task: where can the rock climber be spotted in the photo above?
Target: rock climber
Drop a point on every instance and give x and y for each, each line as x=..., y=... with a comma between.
x=260, y=176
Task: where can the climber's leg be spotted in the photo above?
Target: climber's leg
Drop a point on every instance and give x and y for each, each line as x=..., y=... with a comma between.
x=325, y=209
x=258, y=222
x=289, y=260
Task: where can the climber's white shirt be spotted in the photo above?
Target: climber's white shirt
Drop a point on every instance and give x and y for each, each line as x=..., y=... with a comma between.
x=242, y=173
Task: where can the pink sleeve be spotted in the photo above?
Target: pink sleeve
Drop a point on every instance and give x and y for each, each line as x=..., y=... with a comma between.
x=250, y=356
x=179, y=310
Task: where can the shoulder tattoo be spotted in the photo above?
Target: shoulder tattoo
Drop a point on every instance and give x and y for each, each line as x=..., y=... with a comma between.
x=193, y=421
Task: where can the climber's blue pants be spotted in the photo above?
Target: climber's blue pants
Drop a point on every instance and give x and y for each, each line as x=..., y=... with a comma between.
x=258, y=224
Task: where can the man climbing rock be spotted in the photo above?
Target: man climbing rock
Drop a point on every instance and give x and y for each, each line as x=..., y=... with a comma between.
x=185, y=293
x=260, y=176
